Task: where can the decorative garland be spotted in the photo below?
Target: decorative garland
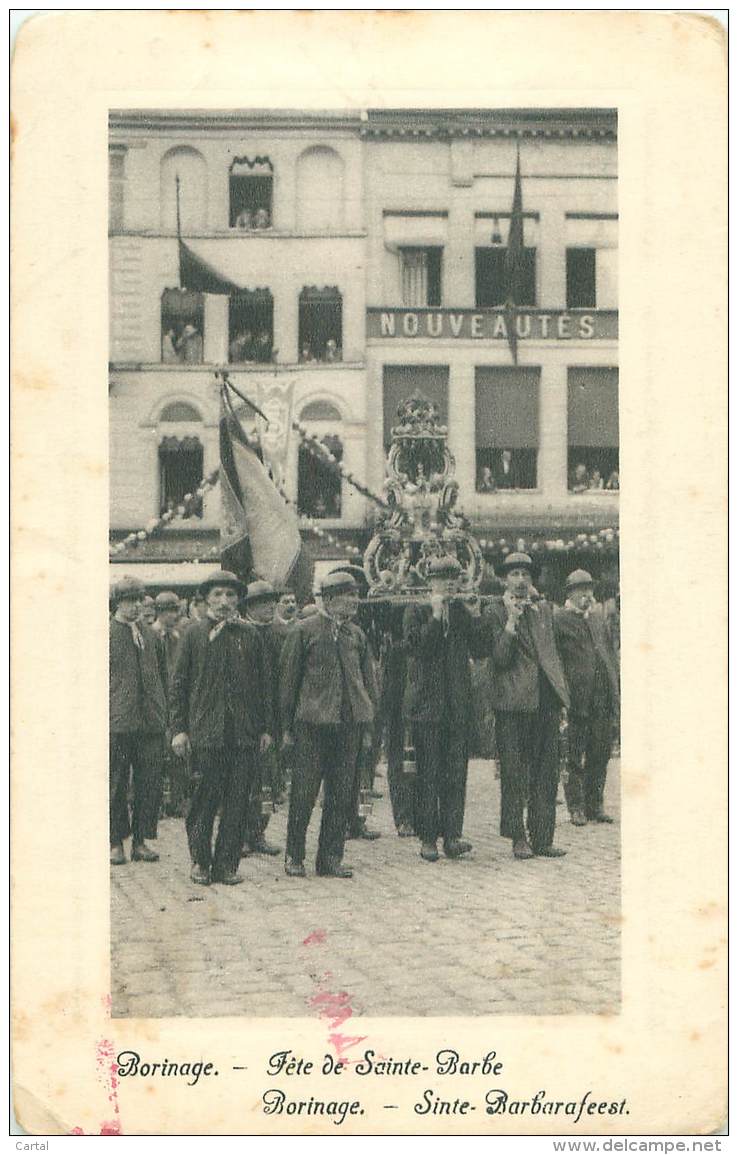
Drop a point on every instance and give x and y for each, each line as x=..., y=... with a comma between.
x=159, y=523
x=581, y=542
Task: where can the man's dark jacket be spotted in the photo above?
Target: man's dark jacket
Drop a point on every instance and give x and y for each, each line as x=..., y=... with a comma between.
x=232, y=670
x=137, y=695
x=517, y=658
x=581, y=641
x=317, y=665
x=439, y=684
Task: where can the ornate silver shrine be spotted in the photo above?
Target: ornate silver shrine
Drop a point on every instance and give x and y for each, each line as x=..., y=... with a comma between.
x=422, y=521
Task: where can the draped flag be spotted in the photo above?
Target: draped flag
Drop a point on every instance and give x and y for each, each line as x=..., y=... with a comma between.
x=197, y=274
x=514, y=258
x=260, y=534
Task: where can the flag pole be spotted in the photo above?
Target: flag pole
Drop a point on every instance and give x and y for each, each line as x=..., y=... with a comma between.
x=223, y=376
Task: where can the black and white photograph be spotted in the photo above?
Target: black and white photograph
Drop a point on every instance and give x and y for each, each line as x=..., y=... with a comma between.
x=369, y=750
x=364, y=562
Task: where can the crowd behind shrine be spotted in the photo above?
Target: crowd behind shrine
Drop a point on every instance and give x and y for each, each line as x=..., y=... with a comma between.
x=240, y=702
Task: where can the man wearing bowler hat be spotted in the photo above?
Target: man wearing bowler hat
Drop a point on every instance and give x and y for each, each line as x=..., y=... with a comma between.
x=439, y=640
x=528, y=692
x=591, y=673
x=328, y=698
x=221, y=713
x=138, y=719
x=261, y=604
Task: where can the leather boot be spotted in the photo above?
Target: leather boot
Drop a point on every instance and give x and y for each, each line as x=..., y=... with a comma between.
x=143, y=853
x=293, y=869
x=521, y=849
x=261, y=846
x=455, y=847
x=429, y=851
x=117, y=855
x=333, y=869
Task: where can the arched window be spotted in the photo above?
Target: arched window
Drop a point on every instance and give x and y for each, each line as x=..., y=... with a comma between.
x=320, y=411
x=180, y=473
x=182, y=327
x=319, y=189
x=318, y=486
x=189, y=165
x=250, y=192
x=179, y=411
x=320, y=326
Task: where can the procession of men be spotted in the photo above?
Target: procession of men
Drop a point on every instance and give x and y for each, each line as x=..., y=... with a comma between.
x=248, y=701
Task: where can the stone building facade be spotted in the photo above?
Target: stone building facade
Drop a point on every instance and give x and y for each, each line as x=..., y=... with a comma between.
x=367, y=251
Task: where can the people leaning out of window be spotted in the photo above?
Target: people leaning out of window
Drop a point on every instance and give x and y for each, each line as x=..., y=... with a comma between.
x=254, y=219
x=331, y=351
x=247, y=346
x=584, y=480
x=184, y=347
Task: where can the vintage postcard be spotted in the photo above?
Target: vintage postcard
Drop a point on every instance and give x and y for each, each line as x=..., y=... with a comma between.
x=399, y=534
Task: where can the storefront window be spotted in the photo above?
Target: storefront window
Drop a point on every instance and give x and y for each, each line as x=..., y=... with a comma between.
x=506, y=428
x=593, y=439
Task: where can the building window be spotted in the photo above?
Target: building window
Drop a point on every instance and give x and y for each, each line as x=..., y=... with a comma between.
x=319, y=189
x=492, y=282
x=318, y=486
x=179, y=411
x=403, y=381
x=184, y=169
x=581, y=279
x=250, y=186
x=421, y=277
x=116, y=189
x=593, y=437
x=506, y=427
x=180, y=473
x=250, y=326
x=320, y=324
x=182, y=326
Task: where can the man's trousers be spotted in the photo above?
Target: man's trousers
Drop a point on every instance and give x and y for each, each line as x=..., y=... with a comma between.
x=267, y=774
x=528, y=749
x=328, y=754
x=226, y=774
x=401, y=785
x=590, y=743
x=442, y=755
x=144, y=755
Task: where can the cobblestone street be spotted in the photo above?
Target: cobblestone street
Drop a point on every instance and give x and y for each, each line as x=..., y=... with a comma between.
x=481, y=935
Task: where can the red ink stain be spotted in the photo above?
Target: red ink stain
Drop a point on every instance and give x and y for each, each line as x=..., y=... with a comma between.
x=107, y=1068
x=337, y=1009
x=107, y=1002
x=315, y=937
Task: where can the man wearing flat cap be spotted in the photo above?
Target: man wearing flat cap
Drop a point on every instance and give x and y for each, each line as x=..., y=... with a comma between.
x=261, y=603
x=439, y=641
x=328, y=698
x=528, y=692
x=591, y=673
x=221, y=713
x=138, y=719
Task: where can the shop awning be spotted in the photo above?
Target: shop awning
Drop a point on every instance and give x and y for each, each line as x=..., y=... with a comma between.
x=593, y=407
x=507, y=408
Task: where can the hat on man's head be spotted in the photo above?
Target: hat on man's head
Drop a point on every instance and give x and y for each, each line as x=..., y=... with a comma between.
x=338, y=583
x=127, y=587
x=221, y=577
x=166, y=600
x=517, y=561
x=444, y=567
x=579, y=577
x=260, y=591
